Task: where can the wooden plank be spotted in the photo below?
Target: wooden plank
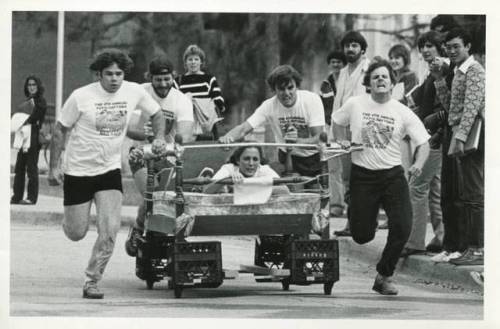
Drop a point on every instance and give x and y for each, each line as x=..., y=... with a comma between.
x=255, y=269
x=252, y=224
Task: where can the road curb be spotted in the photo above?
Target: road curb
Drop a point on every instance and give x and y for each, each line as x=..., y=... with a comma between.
x=54, y=218
x=419, y=267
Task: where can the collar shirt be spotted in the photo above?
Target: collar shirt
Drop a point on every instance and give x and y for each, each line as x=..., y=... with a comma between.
x=467, y=97
x=349, y=85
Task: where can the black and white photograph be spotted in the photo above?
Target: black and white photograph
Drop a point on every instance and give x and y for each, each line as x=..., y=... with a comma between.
x=277, y=164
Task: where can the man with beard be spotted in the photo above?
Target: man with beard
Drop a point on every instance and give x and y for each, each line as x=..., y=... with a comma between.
x=177, y=110
x=349, y=84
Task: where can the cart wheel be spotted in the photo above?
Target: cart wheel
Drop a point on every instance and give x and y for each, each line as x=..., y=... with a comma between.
x=178, y=291
x=327, y=287
x=150, y=283
x=285, y=284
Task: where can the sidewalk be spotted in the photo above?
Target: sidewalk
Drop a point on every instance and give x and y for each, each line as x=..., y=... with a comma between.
x=419, y=268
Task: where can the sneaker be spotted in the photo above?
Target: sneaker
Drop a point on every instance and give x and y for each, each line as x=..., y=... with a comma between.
x=27, y=202
x=471, y=256
x=131, y=243
x=207, y=172
x=384, y=286
x=478, y=277
x=91, y=291
x=442, y=257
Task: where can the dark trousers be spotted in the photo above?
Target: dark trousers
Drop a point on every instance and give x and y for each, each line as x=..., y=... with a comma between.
x=369, y=190
x=452, y=185
x=26, y=163
x=472, y=195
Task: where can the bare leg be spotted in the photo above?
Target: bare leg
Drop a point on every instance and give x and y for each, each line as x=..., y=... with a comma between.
x=76, y=220
x=108, y=206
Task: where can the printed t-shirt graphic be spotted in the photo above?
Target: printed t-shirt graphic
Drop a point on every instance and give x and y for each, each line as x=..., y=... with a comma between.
x=380, y=128
x=98, y=122
x=111, y=118
x=305, y=113
x=377, y=130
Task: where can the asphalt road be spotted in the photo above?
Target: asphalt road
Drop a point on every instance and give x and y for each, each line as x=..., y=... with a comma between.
x=46, y=277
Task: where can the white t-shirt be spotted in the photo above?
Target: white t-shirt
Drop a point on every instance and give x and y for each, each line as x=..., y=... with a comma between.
x=379, y=127
x=305, y=113
x=99, y=122
x=228, y=169
x=176, y=105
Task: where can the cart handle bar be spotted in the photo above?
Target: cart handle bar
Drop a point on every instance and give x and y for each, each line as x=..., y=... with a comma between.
x=229, y=180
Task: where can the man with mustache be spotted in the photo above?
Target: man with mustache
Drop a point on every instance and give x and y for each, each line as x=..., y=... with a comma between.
x=177, y=111
x=349, y=84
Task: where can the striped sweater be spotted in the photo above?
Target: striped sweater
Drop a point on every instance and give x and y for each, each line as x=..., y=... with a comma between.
x=201, y=86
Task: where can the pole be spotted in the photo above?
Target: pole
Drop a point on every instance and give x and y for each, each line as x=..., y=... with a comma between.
x=60, y=62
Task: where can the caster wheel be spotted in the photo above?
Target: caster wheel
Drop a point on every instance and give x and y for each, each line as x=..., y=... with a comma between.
x=178, y=291
x=327, y=288
x=285, y=284
x=150, y=283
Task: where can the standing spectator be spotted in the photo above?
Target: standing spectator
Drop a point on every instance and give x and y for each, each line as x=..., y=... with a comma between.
x=27, y=161
x=336, y=61
x=425, y=191
x=349, y=84
x=97, y=115
x=465, y=104
x=377, y=178
x=201, y=86
x=400, y=59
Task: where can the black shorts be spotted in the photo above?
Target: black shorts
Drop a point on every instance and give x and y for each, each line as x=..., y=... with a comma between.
x=81, y=189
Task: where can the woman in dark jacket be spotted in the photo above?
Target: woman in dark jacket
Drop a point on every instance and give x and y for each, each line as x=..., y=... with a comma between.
x=27, y=162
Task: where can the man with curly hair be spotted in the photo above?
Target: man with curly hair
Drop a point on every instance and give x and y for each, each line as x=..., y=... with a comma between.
x=97, y=116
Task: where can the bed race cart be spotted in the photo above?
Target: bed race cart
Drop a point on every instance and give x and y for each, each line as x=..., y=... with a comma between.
x=284, y=251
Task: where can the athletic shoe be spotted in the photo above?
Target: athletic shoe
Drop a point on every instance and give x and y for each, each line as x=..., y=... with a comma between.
x=131, y=243
x=478, y=277
x=472, y=256
x=207, y=172
x=442, y=257
x=91, y=291
x=384, y=286
x=27, y=202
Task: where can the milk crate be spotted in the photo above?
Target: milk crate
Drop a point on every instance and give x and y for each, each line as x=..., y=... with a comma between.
x=313, y=261
x=197, y=263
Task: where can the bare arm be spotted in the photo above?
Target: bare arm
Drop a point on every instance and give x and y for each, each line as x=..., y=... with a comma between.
x=421, y=155
x=314, y=132
x=56, y=147
x=158, y=123
x=236, y=133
